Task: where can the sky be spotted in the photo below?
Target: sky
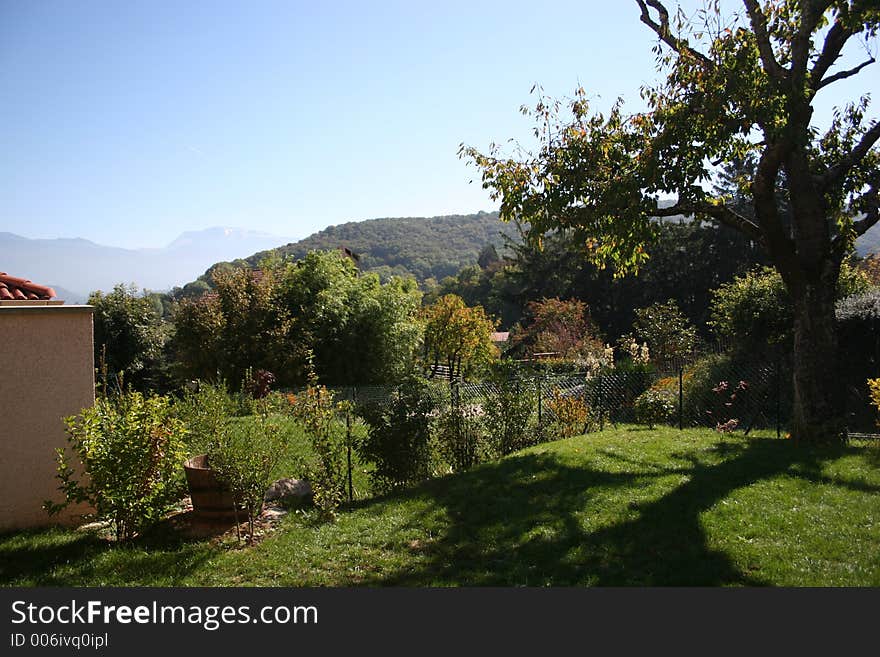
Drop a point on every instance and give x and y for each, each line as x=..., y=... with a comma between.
x=127, y=123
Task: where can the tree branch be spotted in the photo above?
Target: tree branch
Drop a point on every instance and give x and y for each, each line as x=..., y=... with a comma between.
x=765, y=48
x=720, y=213
x=837, y=172
x=811, y=12
x=779, y=245
x=662, y=30
x=843, y=74
x=834, y=41
x=871, y=207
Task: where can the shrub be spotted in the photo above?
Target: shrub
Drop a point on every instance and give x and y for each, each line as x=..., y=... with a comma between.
x=460, y=435
x=508, y=413
x=614, y=391
x=754, y=310
x=858, y=318
x=246, y=459
x=654, y=407
x=206, y=412
x=131, y=448
x=874, y=390
x=571, y=415
x=315, y=409
x=666, y=330
x=398, y=441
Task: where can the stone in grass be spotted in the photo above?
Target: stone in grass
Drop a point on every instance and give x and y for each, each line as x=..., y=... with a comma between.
x=295, y=493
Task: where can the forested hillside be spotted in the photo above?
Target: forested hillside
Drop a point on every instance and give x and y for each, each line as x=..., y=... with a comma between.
x=421, y=247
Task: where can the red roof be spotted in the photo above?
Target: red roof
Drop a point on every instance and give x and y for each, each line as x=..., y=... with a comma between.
x=13, y=288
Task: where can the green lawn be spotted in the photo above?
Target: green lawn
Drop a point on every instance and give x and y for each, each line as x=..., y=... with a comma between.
x=626, y=506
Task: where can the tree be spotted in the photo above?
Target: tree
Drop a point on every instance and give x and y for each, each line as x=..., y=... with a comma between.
x=753, y=311
x=129, y=335
x=666, y=330
x=359, y=330
x=737, y=86
x=276, y=318
x=458, y=337
x=560, y=327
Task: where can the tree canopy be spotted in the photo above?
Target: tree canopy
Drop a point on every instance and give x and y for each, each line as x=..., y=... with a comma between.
x=457, y=337
x=737, y=85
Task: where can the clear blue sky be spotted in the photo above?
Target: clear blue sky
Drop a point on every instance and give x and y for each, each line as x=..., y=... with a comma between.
x=129, y=122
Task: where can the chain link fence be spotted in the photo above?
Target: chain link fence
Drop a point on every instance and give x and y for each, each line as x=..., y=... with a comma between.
x=715, y=388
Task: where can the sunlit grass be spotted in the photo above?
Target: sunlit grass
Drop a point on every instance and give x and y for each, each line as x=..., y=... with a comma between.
x=626, y=506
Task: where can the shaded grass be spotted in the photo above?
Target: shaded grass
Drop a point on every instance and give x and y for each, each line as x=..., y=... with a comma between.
x=619, y=507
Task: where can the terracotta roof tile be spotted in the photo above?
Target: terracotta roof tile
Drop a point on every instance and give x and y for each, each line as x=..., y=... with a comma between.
x=13, y=288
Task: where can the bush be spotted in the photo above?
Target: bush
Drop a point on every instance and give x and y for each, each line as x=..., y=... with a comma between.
x=315, y=409
x=206, y=412
x=721, y=388
x=246, y=459
x=508, y=413
x=131, y=448
x=666, y=330
x=460, y=435
x=398, y=441
x=571, y=414
x=613, y=391
x=858, y=318
x=655, y=407
x=754, y=310
x=874, y=390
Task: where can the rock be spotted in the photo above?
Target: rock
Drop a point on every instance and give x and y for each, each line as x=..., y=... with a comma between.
x=273, y=513
x=290, y=492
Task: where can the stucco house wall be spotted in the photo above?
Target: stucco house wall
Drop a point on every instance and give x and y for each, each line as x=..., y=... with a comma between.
x=46, y=373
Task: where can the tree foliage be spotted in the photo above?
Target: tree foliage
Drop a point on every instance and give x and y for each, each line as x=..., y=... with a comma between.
x=666, y=330
x=129, y=336
x=559, y=327
x=737, y=86
x=458, y=337
x=357, y=329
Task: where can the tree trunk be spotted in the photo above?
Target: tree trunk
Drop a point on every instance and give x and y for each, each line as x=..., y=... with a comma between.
x=819, y=414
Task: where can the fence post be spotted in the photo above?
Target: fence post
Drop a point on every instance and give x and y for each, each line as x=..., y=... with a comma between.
x=778, y=392
x=680, y=398
x=600, y=401
x=348, y=443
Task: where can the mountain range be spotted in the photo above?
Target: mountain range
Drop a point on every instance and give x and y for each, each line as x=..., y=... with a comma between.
x=425, y=248
x=75, y=267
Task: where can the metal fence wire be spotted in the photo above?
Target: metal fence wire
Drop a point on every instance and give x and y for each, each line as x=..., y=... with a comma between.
x=715, y=388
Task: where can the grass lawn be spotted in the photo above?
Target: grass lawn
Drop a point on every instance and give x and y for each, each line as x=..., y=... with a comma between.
x=626, y=506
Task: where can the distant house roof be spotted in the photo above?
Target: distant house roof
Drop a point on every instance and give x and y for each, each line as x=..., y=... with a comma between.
x=20, y=290
x=500, y=336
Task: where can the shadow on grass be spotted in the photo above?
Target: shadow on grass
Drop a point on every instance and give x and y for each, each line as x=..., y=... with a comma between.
x=60, y=557
x=526, y=521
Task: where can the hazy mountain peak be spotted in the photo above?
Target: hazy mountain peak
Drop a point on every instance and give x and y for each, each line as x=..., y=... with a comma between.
x=81, y=266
